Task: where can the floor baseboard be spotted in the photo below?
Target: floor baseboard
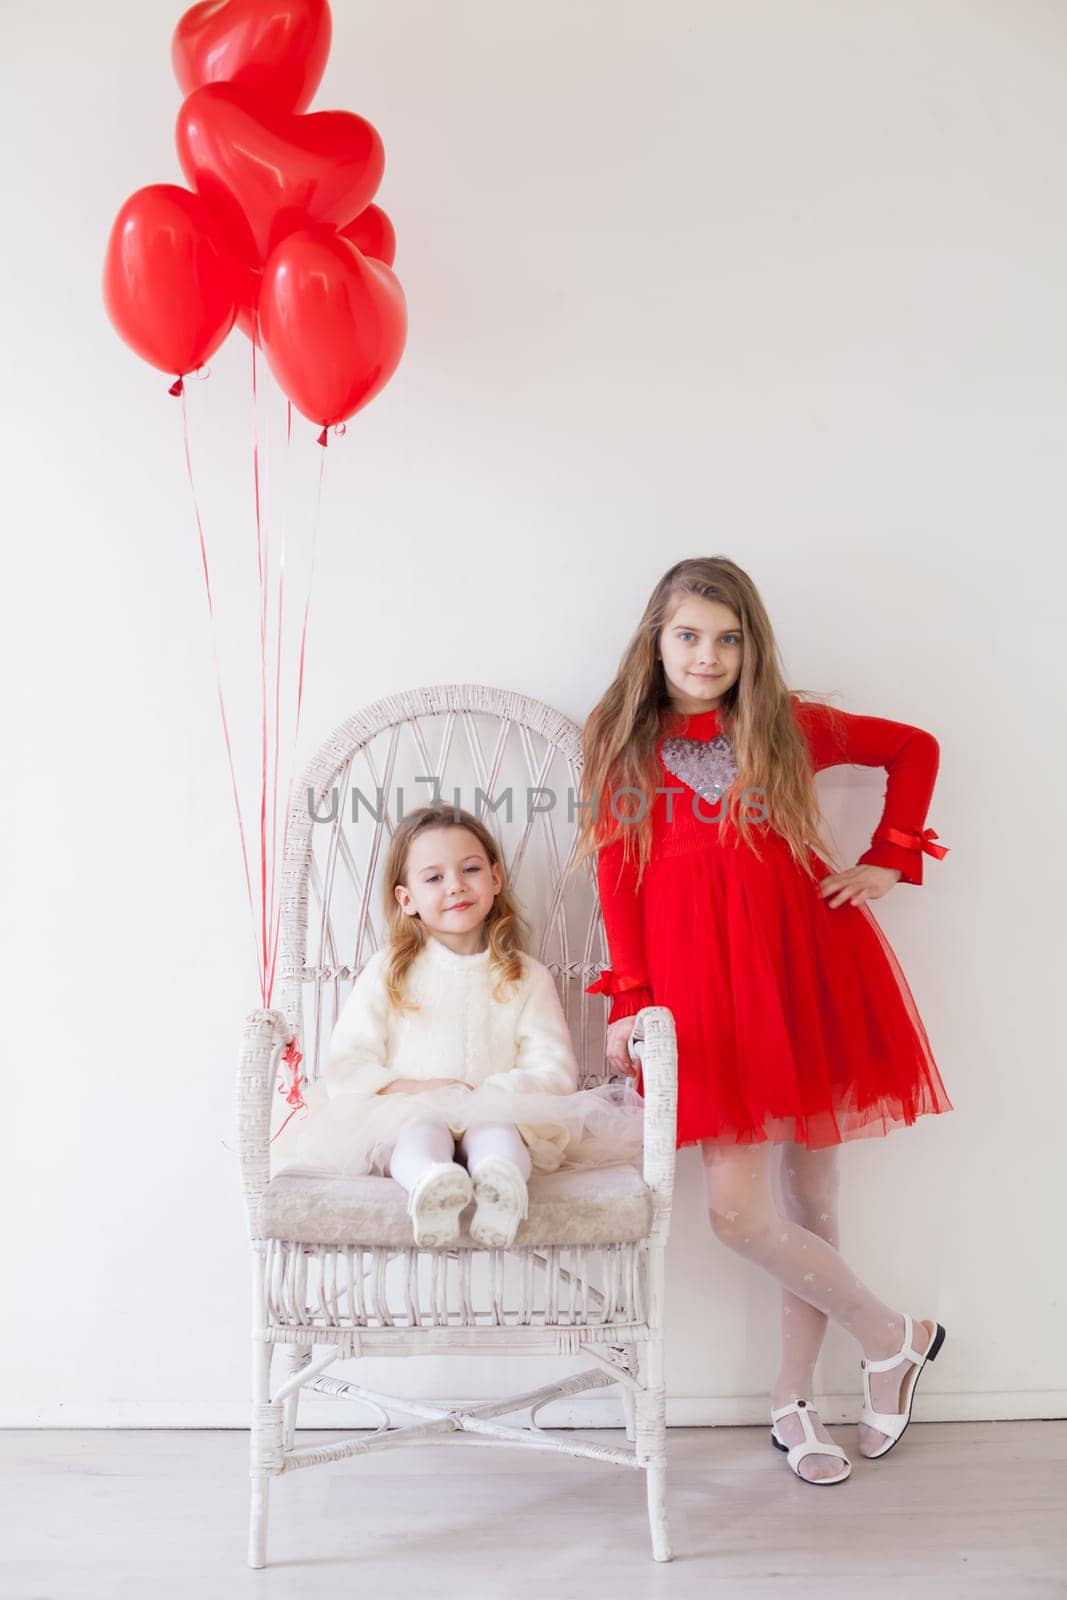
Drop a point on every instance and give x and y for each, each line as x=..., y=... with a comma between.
x=584, y=1411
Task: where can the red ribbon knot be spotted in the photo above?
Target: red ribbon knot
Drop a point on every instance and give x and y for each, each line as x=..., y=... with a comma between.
x=915, y=841
x=611, y=984
x=292, y=1058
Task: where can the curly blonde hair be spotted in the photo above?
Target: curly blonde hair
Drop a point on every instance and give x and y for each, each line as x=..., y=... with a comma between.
x=505, y=925
x=623, y=729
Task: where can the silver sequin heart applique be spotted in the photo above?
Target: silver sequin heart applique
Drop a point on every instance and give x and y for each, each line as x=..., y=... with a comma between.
x=707, y=766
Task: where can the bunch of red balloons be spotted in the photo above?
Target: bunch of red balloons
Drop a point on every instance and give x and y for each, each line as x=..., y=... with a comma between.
x=278, y=232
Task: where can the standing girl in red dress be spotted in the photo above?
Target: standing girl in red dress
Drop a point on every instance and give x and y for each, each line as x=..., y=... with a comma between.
x=796, y=1027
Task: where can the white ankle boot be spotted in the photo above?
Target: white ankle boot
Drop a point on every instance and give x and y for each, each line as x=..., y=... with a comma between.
x=503, y=1201
x=435, y=1203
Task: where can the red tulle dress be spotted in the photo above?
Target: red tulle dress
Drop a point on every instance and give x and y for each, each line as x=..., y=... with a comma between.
x=794, y=1019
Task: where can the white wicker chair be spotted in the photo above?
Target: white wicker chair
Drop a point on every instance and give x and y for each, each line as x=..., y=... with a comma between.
x=334, y=1261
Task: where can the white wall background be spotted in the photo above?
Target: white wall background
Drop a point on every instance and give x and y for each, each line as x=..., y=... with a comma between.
x=781, y=280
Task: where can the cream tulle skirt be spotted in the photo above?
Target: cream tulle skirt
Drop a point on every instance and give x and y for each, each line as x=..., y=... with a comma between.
x=352, y=1134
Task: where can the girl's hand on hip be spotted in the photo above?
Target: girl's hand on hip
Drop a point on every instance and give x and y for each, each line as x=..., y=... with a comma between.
x=857, y=884
x=619, y=1036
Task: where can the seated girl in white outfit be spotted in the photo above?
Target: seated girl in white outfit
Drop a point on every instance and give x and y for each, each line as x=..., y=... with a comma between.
x=453, y=1043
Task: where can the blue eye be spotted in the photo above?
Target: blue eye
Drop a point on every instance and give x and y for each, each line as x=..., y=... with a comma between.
x=687, y=634
x=475, y=868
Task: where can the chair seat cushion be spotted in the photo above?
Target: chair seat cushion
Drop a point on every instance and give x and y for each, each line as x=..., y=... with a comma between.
x=599, y=1205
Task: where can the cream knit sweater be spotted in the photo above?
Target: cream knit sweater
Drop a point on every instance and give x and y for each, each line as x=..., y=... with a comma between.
x=461, y=1030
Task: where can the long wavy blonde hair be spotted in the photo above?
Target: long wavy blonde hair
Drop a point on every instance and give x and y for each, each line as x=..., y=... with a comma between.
x=622, y=730
x=505, y=925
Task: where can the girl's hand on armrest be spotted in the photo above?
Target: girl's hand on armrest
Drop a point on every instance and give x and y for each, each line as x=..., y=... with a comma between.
x=618, y=1038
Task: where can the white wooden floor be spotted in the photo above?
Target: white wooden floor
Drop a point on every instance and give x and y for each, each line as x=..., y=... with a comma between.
x=975, y=1510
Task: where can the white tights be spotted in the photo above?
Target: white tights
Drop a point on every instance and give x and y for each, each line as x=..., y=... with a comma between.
x=797, y=1245
x=422, y=1143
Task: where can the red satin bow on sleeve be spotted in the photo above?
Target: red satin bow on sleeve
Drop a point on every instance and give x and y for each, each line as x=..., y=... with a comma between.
x=610, y=983
x=914, y=841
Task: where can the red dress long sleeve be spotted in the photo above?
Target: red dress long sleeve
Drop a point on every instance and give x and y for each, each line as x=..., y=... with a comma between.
x=626, y=981
x=909, y=755
x=794, y=1019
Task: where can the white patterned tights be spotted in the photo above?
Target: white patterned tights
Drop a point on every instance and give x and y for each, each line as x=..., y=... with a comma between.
x=796, y=1242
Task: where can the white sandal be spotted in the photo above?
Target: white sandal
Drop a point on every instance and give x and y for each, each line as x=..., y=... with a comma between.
x=810, y=1445
x=893, y=1423
x=435, y=1203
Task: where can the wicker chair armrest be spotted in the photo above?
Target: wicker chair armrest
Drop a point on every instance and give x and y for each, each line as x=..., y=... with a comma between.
x=653, y=1041
x=266, y=1035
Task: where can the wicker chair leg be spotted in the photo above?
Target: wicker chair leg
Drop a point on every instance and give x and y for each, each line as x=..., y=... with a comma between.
x=656, y=1476
x=266, y=1433
x=633, y=1356
x=628, y=1412
x=257, y=1521
x=651, y=1445
x=267, y=1460
x=297, y=1357
x=651, y=1442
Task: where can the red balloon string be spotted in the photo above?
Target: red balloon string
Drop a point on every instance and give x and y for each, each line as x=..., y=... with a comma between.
x=274, y=863
x=270, y=917
x=215, y=653
x=263, y=563
x=288, y=1119
x=299, y=702
x=268, y=920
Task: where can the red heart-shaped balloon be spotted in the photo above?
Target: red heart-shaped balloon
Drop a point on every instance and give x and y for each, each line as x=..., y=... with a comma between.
x=169, y=282
x=373, y=234
x=273, y=49
x=266, y=174
x=332, y=323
